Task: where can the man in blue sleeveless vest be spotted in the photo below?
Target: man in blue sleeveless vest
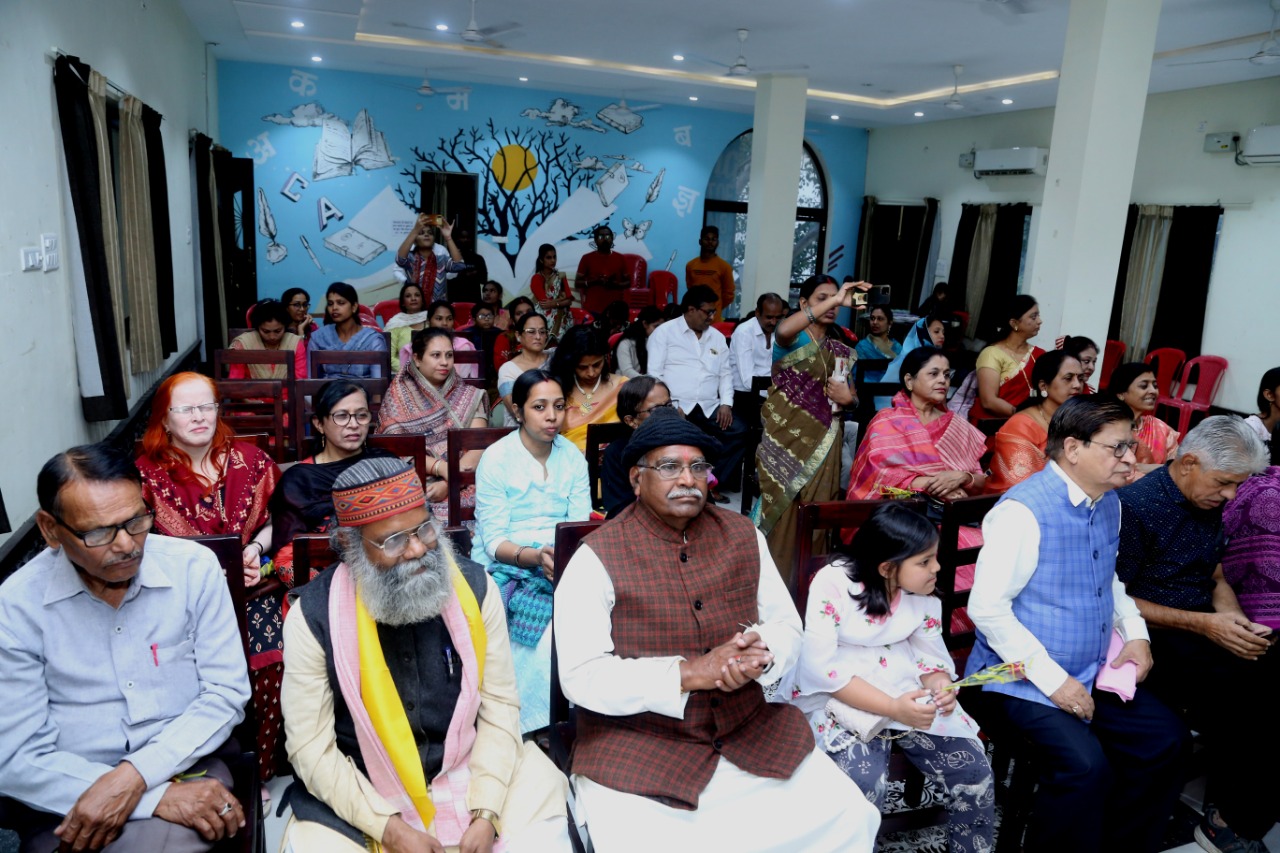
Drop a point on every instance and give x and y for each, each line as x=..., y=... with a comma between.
x=1171, y=549
x=670, y=621
x=1046, y=593
x=399, y=697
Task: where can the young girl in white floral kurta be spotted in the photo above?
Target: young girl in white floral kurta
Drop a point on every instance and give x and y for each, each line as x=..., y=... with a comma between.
x=873, y=668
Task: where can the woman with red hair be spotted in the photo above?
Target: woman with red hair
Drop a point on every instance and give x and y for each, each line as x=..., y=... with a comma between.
x=200, y=481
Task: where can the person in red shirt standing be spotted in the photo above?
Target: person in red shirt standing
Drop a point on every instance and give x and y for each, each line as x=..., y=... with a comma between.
x=600, y=273
x=711, y=270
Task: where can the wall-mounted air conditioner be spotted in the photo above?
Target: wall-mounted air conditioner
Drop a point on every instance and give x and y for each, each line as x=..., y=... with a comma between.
x=1010, y=161
x=1261, y=146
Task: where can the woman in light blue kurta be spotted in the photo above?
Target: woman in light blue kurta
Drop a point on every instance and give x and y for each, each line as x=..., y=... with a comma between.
x=344, y=332
x=526, y=484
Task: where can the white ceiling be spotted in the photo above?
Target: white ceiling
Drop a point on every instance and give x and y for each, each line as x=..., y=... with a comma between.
x=882, y=49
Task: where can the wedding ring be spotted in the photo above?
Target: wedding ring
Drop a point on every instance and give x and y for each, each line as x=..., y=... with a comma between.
x=225, y=810
x=1075, y=709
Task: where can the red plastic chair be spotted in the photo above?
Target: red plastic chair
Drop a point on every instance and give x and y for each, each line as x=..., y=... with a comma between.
x=1112, y=355
x=613, y=339
x=581, y=316
x=1209, y=371
x=664, y=285
x=725, y=327
x=386, y=309
x=1167, y=362
x=462, y=314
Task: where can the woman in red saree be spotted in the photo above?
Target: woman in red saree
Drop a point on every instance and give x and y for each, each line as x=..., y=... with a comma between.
x=1019, y=445
x=1004, y=368
x=201, y=482
x=918, y=445
x=1134, y=384
x=428, y=398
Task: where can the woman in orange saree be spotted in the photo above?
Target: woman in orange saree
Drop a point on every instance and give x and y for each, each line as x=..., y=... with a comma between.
x=1019, y=445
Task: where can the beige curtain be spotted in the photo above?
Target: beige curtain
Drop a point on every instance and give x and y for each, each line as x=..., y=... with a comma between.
x=980, y=265
x=139, y=245
x=110, y=230
x=1142, y=281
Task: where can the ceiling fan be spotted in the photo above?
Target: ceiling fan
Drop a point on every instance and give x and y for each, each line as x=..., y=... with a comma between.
x=1268, y=52
x=473, y=34
x=426, y=90
x=954, y=102
x=740, y=68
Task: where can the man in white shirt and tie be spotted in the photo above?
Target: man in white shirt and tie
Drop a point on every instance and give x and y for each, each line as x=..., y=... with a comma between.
x=692, y=358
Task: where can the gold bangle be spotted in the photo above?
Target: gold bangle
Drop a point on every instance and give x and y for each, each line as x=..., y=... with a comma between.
x=489, y=815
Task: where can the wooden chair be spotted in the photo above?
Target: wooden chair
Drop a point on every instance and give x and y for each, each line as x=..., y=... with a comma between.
x=477, y=358
x=460, y=442
x=304, y=389
x=255, y=406
x=224, y=358
x=958, y=633
x=317, y=360
x=411, y=447
x=311, y=553
x=600, y=436
x=569, y=534
x=833, y=517
x=868, y=391
x=748, y=405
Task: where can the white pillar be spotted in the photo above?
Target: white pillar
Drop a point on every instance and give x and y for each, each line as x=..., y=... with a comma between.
x=776, y=147
x=1102, y=93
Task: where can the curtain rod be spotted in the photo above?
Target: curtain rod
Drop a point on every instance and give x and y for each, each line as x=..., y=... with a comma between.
x=120, y=92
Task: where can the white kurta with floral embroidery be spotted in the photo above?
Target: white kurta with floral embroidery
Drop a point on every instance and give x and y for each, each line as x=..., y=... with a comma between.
x=841, y=642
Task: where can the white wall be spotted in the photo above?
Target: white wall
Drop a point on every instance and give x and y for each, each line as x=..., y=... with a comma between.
x=151, y=51
x=912, y=162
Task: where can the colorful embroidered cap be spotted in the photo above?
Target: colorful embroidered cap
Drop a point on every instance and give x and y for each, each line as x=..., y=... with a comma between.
x=374, y=489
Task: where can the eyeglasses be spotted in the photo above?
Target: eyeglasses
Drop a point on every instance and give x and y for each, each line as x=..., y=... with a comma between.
x=537, y=333
x=343, y=418
x=709, y=312
x=100, y=536
x=672, y=470
x=670, y=404
x=299, y=304
x=188, y=411
x=1118, y=450
x=396, y=544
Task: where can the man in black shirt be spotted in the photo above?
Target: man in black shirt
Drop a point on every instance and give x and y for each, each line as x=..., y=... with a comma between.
x=1210, y=653
x=464, y=286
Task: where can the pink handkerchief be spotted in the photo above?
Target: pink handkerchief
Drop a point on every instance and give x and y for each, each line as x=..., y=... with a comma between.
x=1123, y=681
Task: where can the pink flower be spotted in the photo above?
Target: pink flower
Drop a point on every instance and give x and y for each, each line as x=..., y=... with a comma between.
x=884, y=662
x=831, y=674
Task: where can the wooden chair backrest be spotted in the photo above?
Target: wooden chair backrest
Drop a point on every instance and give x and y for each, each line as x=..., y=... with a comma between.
x=569, y=534
x=311, y=553
x=833, y=517
x=319, y=359
x=223, y=358
x=303, y=391
x=467, y=356
x=255, y=406
x=955, y=514
x=411, y=447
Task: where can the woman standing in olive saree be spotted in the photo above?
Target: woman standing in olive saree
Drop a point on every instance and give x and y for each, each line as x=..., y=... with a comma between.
x=799, y=455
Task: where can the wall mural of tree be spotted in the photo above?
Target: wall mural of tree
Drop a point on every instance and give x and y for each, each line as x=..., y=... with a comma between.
x=525, y=175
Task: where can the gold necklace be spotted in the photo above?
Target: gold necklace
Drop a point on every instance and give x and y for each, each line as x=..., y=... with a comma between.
x=586, y=405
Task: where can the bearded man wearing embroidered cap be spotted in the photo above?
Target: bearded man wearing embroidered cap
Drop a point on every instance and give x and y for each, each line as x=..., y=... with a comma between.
x=402, y=718
x=671, y=623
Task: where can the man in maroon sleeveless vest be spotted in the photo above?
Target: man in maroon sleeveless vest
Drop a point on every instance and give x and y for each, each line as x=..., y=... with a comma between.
x=671, y=622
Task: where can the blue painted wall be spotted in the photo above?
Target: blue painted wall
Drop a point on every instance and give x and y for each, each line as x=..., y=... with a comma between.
x=354, y=219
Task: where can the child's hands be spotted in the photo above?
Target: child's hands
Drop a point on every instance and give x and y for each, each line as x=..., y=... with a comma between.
x=909, y=712
x=944, y=701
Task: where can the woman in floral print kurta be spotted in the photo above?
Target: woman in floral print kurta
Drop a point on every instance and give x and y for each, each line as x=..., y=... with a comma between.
x=901, y=656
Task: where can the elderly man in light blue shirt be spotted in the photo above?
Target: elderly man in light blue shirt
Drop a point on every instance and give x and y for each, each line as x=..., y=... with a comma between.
x=122, y=668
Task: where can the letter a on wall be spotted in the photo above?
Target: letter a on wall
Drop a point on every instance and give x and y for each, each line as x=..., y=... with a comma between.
x=325, y=211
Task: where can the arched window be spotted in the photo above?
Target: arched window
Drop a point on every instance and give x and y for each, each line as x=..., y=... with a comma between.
x=726, y=207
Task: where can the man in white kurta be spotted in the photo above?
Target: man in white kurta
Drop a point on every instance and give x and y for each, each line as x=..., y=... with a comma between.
x=672, y=622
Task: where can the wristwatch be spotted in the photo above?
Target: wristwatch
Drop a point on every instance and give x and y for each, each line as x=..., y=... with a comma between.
x=489, y=815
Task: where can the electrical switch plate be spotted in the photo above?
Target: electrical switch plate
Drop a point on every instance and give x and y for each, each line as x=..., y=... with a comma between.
x=31, y=259
x=49, y=243
x=1220, y=143
x=51, y=261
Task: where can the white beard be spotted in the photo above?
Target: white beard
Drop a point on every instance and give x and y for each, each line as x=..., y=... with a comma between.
x=403, y=595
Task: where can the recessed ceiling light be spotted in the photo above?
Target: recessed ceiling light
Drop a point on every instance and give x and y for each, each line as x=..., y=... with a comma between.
x=693, y=97
x=442, y=27
x=1007, y=101
x=835, y=117
x=918, y=114
x=315, y=59
x=297, y=25
x=524, y=79
x=678, y=57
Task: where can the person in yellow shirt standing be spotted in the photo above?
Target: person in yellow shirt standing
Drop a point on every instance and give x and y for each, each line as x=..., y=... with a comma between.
x=711, y=270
